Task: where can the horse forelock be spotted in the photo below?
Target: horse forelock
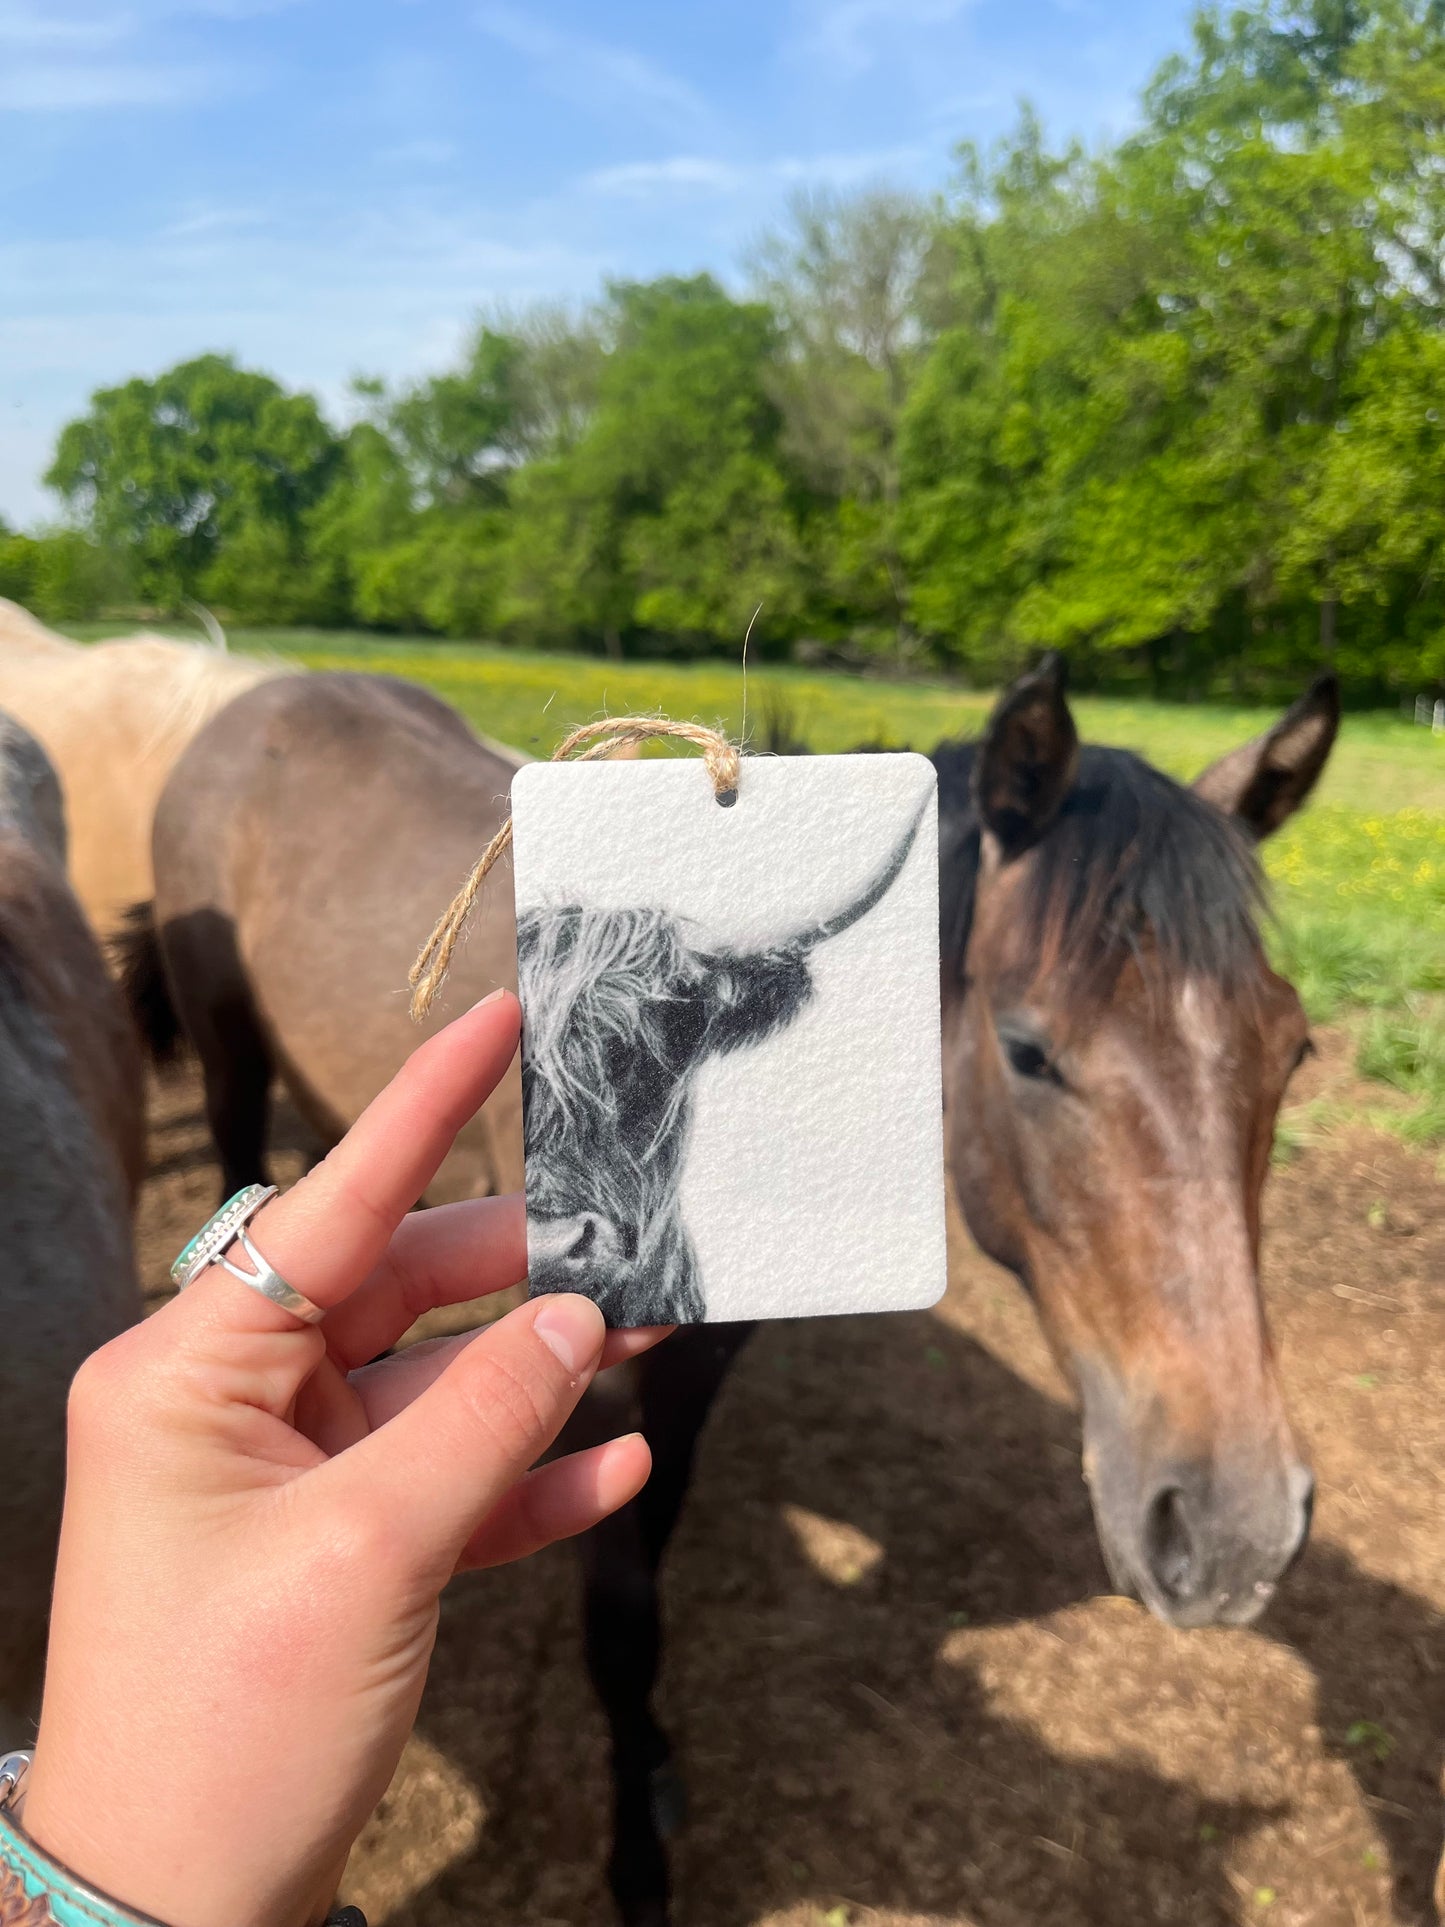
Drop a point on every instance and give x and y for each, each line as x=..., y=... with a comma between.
x=1134, y=866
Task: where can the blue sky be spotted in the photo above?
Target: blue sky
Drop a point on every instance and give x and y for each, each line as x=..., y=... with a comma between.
x=332, y=187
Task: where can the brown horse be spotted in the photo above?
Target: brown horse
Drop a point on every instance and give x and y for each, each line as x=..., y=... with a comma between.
x=72, y=1152
x=301, y=849
x=1116, y=1051
x=113, y=717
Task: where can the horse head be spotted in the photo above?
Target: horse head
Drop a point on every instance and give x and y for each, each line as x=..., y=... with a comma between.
x=1117, y=1048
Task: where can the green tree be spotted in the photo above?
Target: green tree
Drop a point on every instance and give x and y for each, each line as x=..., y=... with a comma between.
x=18, y=556
x=669, y=513
x=1131, y=440
x=857, y=287
x=205, y=477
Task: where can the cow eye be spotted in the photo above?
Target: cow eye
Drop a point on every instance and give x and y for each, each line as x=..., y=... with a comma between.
x=1028, y=1057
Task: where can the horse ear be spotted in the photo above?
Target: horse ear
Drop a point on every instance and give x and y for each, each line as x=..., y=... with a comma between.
x=1263, y=783
x=1028, y=760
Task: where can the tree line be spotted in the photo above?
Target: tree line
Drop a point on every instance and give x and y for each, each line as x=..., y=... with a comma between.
x=1174, y=406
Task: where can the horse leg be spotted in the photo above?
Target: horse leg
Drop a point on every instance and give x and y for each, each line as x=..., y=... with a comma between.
x=675, y=1389
x=238, y=1075
x=213, y=999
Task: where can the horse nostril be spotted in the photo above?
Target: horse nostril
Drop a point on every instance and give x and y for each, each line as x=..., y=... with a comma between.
x=582, y=1245
x=1169, y=1545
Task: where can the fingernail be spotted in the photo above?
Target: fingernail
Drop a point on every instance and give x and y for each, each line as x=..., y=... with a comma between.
x=617, y=1473
x=572, y=1328
x=490, y=998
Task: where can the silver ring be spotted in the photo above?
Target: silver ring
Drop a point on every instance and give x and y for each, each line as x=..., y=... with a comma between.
x=216, y=1237
x=267, y=1280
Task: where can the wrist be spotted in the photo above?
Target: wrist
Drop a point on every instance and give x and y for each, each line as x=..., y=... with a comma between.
x=36, y=1889
x=48, y=1870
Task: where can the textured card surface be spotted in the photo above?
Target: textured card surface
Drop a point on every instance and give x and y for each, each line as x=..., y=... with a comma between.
x=730, y=1047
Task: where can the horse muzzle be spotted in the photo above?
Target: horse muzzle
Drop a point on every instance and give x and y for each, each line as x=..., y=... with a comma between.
x=1205, y=1557
x=1201, y=1538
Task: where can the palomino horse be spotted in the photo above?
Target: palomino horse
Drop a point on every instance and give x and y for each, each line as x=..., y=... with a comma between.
x=113, y=717
x=1116, y=1051
x=72, y=1153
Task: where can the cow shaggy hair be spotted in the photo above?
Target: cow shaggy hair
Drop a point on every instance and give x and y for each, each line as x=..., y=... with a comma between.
x=622, y=1007
x=599, y=988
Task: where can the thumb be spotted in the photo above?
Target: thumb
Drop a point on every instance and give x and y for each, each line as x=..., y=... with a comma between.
x=437, y=1469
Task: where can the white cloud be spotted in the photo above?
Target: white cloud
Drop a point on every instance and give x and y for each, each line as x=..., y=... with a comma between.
x=97, y=57
x=200, y=219
x=420, y=153
x=592, y=71
x=310, y=295
x=685, y=173
x=61, y=66
x=86, y=29
x=694, y=174
x=27, y=26
x=47, y=87
x=850, y=35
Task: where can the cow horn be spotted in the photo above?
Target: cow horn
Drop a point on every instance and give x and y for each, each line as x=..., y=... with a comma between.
x=873, y=892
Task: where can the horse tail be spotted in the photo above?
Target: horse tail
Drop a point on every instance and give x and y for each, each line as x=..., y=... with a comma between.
x=136, y=951
x=215, y=634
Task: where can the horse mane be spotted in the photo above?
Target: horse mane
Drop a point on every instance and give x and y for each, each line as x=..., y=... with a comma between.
x=1133, y=863
x=194, y=682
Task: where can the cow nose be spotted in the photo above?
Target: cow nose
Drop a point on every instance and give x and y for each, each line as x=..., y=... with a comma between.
x=563, y=1254
x=589, y=1241
x=584, y=1246
x=1171, y=1547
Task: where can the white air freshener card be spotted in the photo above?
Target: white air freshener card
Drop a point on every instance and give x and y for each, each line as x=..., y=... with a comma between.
x=730, y=1046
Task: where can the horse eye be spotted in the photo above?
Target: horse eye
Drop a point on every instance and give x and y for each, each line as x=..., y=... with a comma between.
x=1029, y=1059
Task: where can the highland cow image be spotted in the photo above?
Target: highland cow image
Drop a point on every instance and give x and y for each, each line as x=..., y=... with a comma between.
x=729, y=1059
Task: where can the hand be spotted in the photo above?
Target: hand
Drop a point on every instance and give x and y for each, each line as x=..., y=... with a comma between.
x=258, y=1523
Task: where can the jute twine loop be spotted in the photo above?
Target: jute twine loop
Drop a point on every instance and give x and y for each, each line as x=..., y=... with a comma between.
x=602, y=738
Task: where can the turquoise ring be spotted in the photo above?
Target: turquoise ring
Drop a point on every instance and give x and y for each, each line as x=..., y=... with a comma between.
x=218, y=1232
x=228, y=1227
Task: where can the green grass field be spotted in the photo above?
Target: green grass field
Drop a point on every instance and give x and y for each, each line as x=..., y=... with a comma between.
x=1359, y=877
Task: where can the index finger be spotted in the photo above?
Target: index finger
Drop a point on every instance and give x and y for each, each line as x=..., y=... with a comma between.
x=447, y=1256
x=329, y=1231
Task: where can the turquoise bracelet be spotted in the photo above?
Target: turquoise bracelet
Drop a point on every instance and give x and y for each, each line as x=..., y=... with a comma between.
x=36, y=1891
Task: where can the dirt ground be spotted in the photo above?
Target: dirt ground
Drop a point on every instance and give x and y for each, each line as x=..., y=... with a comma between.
x=896, y=1691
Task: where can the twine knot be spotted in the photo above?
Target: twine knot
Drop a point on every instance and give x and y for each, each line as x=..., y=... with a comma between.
x=721, y=758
